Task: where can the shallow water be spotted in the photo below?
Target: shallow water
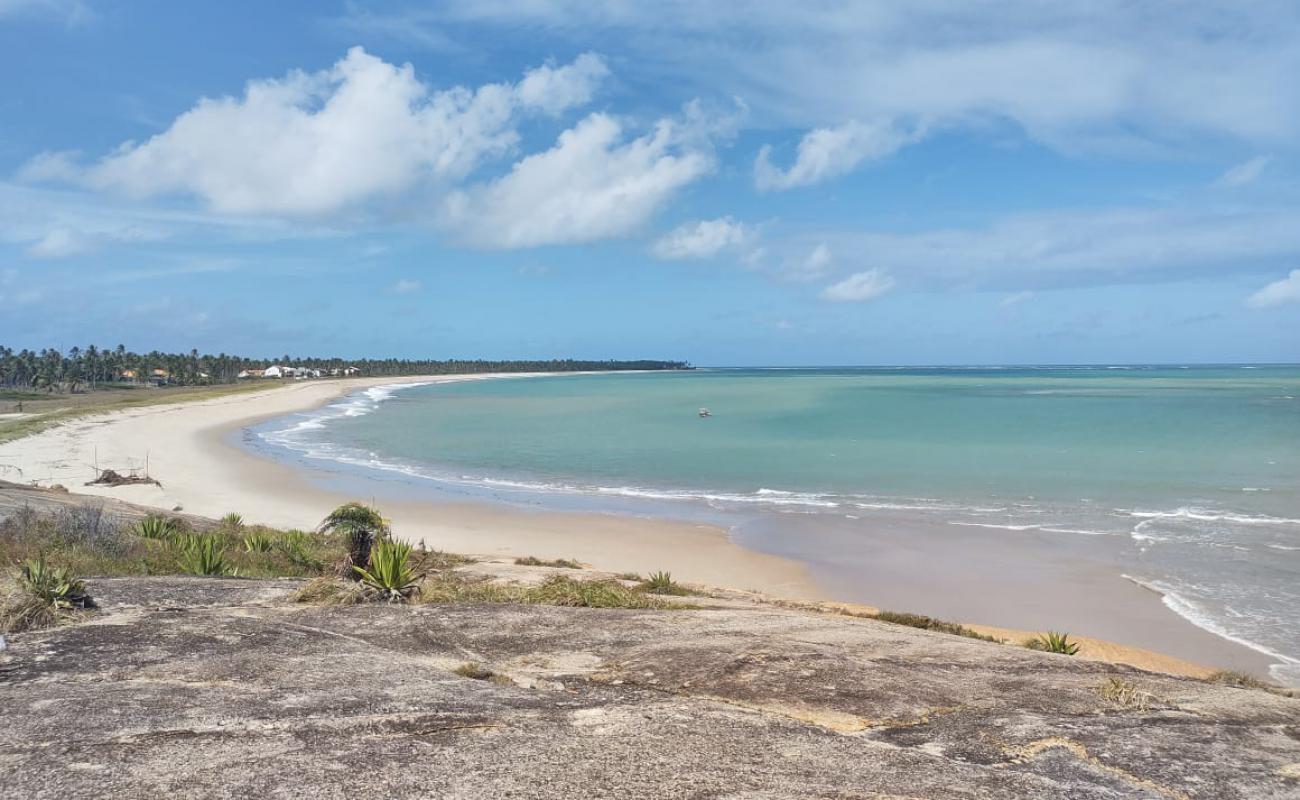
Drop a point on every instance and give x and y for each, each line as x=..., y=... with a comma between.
x=1195, y=470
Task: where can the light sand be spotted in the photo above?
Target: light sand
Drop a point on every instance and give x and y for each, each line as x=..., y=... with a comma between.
x=191, y=449
x=188, y=448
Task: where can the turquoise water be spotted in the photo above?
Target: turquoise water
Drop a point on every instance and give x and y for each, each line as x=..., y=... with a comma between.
x=1198, y=467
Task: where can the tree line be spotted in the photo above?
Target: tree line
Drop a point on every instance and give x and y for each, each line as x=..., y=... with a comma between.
x=86, y=369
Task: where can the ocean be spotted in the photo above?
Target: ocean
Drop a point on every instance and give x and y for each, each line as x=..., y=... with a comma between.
x=1193, y=472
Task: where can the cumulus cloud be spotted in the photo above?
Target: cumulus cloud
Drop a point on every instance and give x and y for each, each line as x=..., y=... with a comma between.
x=593, y=184
x=554, y=90
x=1286, y=290
x=859, y=286
x=705, y=239
x=1244, y=173
x=315, y=143
x=830, y=152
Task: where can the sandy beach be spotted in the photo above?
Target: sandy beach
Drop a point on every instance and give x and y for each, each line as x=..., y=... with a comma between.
x=192, y=449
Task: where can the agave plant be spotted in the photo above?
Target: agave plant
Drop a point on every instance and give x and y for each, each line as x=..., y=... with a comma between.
x=662, y=583
x=155, y=527
x=258, y=543
x=1053, y=642
x=203, y=555
x=56, y=587
x=361, y=526
x=390, y=573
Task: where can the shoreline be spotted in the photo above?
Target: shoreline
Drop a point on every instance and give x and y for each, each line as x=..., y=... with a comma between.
x=190, y=449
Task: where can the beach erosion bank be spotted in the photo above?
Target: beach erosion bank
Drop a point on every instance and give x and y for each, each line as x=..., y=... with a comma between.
x=1017, y=584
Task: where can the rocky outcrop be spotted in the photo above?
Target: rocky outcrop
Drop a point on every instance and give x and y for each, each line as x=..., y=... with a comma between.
x=194, y=687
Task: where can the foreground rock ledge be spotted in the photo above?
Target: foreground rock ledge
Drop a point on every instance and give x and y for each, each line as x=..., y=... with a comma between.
x=193, y=687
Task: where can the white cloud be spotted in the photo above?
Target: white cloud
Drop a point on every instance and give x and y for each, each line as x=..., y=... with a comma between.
x=704, y=239
x=809, y=266
x=1083, y=247
x=59, y=243
x=859, y=286
x=51, y=166
x=406, y=286
x=1244, y=173
x=1286, y=290
x=1113, y=75
x=591, y=185
x=1015, y=299
x=315, y=143
x=72, y=12
x=556, y=89
x=829, y=152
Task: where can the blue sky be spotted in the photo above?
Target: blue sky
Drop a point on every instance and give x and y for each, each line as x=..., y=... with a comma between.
x=745, y=183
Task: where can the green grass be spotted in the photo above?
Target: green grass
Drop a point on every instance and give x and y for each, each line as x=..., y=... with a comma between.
x=561, y=563
x=931, y=624
x=89, y=541
x=50, y=410
x=557, y=590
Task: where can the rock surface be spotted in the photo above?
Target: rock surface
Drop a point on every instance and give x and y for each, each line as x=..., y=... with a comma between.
x=196, y=687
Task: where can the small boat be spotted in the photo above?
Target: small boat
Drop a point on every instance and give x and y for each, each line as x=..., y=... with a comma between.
x=704, y=412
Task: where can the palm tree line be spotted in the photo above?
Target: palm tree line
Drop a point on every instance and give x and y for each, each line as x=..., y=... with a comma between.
x=85, y=369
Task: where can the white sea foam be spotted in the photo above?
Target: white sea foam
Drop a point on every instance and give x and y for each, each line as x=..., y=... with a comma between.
x=1204, y=515
x=993, y=525
x=1287, y=670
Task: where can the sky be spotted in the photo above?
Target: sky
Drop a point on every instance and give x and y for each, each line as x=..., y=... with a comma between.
x=743, y=183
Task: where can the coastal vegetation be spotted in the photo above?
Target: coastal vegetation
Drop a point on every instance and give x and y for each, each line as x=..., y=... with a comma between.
x=931, y=624
x=98, y=368
x=361, y=527
x=1053, y=642
x=559, y=563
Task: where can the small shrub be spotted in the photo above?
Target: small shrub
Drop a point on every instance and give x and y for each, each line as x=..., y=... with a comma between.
x=931, y=624
x=361, y=527
x=43, y=595
x=1125, y=695
x=475, y=670
x=202, y=555
x=1053, y=642
x=391, y=575
x=232, y=522
x=663, y=583
x=155, y=527
x=562, y=563
x=560, y=590
x=449, y=587
x=53, y=585
x=629, y=576
x=1240, y=680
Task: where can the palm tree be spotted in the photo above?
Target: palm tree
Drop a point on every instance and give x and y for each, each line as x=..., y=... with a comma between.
x=361, y=526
